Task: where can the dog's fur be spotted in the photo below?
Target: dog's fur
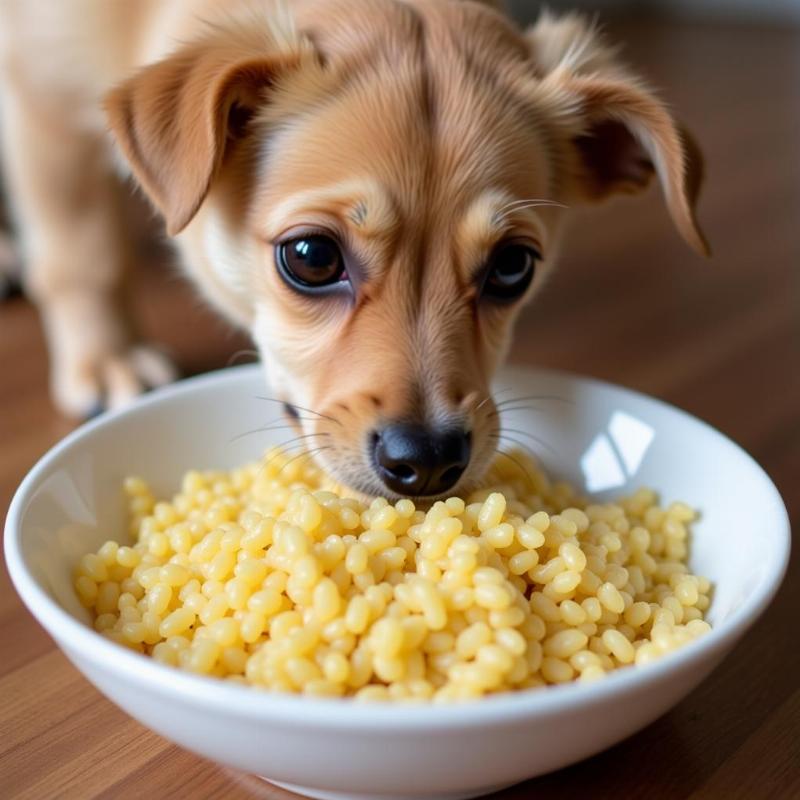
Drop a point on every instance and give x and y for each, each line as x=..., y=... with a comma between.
x=410, y=129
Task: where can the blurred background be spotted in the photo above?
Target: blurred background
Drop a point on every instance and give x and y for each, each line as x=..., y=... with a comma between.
x=630, y=304
x=739, y=11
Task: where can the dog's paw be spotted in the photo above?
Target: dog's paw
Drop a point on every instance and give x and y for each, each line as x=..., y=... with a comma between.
x=82, y=388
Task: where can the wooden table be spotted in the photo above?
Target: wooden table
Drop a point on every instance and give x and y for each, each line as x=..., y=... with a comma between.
x=630, y=304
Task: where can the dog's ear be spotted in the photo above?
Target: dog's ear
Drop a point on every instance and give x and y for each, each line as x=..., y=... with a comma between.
x=612, y=133
x=175, y=119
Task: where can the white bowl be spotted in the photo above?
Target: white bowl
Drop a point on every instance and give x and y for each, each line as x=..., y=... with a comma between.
x=605, y=438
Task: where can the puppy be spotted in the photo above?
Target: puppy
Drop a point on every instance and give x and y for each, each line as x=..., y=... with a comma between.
x=372, y=188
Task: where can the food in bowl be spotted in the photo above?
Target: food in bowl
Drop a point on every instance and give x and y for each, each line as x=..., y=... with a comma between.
x=271, y=575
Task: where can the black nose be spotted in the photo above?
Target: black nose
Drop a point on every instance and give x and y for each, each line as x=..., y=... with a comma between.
x=418, y=461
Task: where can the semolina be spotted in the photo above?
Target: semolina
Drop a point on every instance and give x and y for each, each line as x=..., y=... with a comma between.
x=271, y=575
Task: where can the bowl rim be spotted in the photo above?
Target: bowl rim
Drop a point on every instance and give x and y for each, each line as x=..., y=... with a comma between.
x=246, y=701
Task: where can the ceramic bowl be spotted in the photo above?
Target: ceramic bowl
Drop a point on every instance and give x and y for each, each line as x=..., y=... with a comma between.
x=604, y=438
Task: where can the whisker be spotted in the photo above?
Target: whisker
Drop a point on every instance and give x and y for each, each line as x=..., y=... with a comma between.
x=287, y=447
x=501, y=411
x=483, y=403
x=491, y=396
x=541, y=201
x=307, y=454
x=300, y=408
x=519, y=205
x=517, y=463
x=242, y=353
x=517, y=444
x=498, y=413
x=270, y=426
x=298, y=441
x=550, y=449
x=267, y=429
x=537, y=397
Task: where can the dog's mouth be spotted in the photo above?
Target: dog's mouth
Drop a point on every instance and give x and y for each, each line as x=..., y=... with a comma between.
x=399, y=458
x=437, y=473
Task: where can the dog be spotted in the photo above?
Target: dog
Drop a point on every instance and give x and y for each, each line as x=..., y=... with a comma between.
x=372, y=188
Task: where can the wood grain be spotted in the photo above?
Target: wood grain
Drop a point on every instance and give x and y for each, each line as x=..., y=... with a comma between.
x=630, y=304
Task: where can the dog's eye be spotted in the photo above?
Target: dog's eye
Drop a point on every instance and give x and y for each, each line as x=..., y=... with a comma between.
x=510, y=270
x=311, y=261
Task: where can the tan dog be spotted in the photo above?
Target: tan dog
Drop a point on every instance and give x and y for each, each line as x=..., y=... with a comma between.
x=372, y=188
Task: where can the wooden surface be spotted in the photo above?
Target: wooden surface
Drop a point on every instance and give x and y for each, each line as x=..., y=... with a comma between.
x=630, y=304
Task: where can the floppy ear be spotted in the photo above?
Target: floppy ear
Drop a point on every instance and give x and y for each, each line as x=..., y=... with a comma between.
x=613, y=134
x=175, y=118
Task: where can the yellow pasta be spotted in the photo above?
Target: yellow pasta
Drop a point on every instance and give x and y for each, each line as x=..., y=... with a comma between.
x=272, y=576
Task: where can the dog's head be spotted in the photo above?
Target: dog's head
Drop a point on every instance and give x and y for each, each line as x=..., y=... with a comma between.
x=374, y=188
